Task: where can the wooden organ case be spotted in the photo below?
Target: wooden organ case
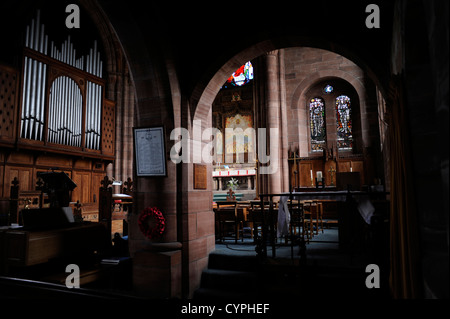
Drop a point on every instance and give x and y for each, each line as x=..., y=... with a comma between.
x=54, y=115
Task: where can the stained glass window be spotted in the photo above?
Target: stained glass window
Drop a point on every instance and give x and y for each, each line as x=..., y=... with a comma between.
x=242, y=76
x=328, y=89
x=344, y=122
x=317, y=124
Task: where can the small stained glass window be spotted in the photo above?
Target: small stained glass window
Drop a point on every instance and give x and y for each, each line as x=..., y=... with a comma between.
x=241, y=76
x=328, y=89
x=344, y=122
x=317, y=124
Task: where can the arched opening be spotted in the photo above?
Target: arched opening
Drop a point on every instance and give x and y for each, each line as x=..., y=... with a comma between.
x=286, y=81
x=345, y=75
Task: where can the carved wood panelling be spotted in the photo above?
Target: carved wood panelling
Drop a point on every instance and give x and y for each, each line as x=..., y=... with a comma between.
x=8, y=102
x=108, y=128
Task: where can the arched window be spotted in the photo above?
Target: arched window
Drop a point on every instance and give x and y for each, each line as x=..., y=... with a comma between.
x=241, y=76
x=344, y=123
x=317, y=124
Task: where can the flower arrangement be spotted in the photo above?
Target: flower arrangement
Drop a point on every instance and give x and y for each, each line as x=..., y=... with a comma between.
x=152, y=222
x=233, y=183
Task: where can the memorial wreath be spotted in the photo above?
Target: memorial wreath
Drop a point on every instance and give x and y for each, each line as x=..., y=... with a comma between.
x=152, y=216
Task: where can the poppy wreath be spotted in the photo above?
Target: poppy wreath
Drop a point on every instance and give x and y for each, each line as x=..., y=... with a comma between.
x=152, y=214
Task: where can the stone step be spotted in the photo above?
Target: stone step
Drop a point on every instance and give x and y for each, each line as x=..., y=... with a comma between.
x=235, y=275
x=210, y=294
x=230, y=280
x=233, y=262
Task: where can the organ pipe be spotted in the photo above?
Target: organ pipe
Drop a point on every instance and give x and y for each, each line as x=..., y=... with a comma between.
x=64, y=119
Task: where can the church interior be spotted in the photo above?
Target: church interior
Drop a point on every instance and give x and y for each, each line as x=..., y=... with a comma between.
x=146, y=147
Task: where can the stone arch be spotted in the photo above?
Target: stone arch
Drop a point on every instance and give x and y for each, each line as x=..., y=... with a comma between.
x=137, y=82
x=206, y=89
x=120, y=87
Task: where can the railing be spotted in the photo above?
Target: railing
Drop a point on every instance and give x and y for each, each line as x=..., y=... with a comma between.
x=269, y=232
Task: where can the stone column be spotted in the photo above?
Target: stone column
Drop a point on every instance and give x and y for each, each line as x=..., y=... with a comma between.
x=284, y=145
x=277, y=118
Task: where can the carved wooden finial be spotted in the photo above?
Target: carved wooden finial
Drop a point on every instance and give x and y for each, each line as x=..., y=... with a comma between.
x=105, y=183
x=39, y=184
x=15, y=182
x=129, y=186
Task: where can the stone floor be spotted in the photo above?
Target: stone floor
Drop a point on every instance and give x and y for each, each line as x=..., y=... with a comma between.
x=235, y=271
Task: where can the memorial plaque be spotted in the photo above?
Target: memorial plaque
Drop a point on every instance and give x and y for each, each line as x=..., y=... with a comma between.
x=200, y=178
x=150, y=151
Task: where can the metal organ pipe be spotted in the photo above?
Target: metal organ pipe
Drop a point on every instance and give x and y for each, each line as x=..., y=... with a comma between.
x=31, y=101
x=99, y=115
x=88, y=114
x=59, y=89
x=65, y=109
x=93, y=100
x=35, y=72
x=67, y=131
x=64, y=115
x=50, y=115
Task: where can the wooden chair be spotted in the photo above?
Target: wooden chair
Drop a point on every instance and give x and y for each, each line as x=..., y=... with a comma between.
x=228, y=213
x=255, y=217
x=317, y=217
x=297, y=217
x=315, y=220
x=309, y=210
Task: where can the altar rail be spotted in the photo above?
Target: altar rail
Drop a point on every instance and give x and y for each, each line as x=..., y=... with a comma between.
x=269, y=230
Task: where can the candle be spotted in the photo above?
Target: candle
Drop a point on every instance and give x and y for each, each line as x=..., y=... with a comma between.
x=319, y=176
x=311, y=174
x=351, y=169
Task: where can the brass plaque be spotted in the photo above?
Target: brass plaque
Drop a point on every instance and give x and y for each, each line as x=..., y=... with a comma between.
x=200, y=178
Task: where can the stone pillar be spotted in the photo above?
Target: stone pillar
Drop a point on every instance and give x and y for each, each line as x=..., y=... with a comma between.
x=277, y=118
x=157, y=262
x=220, y=183
x=157, y=267
x=284, y=141
x=196, y=217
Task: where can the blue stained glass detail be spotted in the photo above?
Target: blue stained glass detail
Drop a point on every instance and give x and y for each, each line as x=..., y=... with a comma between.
x=328, y=89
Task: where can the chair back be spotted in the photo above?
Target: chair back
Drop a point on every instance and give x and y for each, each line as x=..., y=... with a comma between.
x=229, y=211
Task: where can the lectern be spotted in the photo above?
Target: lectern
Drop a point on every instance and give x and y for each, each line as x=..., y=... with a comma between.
x=50, y=235
x=58, y=187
